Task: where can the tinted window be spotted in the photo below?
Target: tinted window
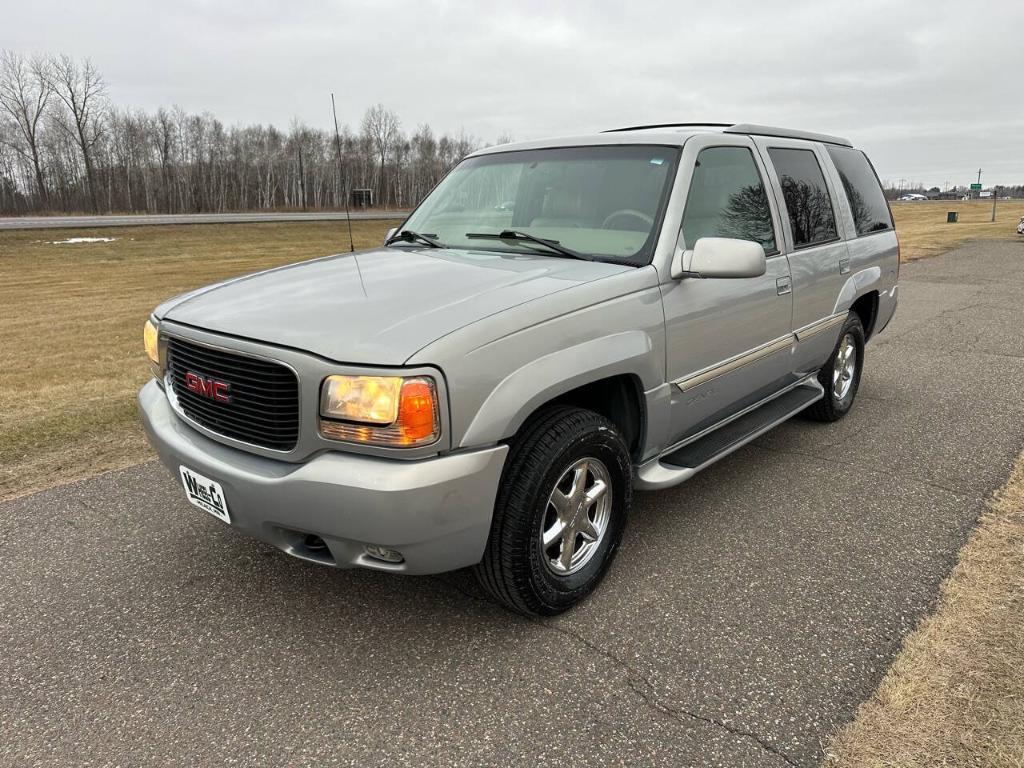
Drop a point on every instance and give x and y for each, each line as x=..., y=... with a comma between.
x=870, y=212
x=807, y=201
x=727, y=199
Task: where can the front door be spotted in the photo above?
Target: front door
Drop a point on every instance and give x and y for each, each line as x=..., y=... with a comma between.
x=729, y=341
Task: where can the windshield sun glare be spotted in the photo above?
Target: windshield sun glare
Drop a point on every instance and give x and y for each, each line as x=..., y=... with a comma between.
x=600, y=201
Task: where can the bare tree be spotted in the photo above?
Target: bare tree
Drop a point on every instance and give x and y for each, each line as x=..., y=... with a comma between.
x=24, y=95
x=381, y=127
x=165, y=145
x=83, y=92
x=9, y=194
x=63, y=147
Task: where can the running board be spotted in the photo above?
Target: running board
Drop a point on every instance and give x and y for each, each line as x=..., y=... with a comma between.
x=685, y=462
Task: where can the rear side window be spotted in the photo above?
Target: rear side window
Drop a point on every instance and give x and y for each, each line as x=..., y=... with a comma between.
x=807, y=202
x=727, y=198
x=867, y=201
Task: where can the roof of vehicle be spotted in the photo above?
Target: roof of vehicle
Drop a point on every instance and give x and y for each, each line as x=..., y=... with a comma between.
x=672, y=134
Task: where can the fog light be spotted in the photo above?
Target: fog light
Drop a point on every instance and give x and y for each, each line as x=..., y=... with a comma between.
x=383, y=553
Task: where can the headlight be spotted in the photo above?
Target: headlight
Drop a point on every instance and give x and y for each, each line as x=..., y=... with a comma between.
x=380, y=410
x=150, y=337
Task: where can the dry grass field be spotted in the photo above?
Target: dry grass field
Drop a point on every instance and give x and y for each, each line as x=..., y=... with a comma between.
x=924, y=232
x=71, y=353
x=71, y=321
x=955, y=694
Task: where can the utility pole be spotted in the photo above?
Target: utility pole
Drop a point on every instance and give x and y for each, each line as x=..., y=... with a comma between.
x=302, y=178
x=979, y=183
x=995, y=196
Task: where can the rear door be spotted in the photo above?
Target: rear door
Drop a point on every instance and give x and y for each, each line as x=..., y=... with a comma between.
x=815, y=239
x=729, y=341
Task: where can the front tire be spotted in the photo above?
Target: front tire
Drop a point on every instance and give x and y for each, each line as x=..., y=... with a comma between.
x=560, y=512
x=840, y=376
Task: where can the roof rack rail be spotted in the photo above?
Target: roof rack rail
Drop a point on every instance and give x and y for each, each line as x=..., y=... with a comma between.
x=667, y=125
x=749, y=129
x=786, y=133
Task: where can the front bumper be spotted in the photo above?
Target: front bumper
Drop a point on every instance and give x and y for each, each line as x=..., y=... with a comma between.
x=436, y=512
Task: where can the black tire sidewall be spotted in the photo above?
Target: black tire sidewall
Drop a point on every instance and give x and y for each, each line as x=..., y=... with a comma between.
x=851, y=327
x=604, y=444
x=512, y=569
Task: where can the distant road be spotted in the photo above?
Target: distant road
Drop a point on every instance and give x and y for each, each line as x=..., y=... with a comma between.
x=134, y=220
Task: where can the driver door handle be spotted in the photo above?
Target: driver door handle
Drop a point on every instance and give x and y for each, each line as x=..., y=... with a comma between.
x=783, y=286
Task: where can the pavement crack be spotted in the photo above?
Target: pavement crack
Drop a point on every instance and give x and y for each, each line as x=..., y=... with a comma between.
x=963, y=493
x=637, y=683
x=644, y=689
x=1010, y=355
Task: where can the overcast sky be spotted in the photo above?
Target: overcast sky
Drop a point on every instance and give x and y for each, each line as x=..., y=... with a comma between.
x=932, y=89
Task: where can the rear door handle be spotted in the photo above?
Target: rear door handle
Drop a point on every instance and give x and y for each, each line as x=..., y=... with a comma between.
x=783, y=286
x=844, y=266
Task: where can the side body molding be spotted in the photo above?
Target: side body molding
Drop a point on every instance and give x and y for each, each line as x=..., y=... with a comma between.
x=521, y=392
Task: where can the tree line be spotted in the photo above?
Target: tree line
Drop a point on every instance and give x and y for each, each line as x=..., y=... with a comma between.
x=64, y=147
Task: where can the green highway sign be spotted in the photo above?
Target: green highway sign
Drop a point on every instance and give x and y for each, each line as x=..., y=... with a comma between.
x=975, y=186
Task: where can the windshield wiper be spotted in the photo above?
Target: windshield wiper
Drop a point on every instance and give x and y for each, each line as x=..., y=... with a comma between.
x=408, y=236
x=514, y=234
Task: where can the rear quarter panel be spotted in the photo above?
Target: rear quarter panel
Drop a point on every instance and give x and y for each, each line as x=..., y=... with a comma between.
x=874, y=258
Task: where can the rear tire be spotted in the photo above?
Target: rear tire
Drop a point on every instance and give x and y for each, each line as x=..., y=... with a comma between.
x=560, y=512
x=840, y=376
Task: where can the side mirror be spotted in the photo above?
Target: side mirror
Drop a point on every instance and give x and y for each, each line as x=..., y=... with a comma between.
x=722, y=257
x=391, y=233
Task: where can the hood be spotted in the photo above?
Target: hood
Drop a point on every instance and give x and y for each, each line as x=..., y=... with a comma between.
x=377, y=307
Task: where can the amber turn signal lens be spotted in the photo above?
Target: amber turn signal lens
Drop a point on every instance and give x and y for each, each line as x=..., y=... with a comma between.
x=417, y=412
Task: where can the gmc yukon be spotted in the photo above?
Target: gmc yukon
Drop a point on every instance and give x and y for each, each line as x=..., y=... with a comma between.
x=558, y=324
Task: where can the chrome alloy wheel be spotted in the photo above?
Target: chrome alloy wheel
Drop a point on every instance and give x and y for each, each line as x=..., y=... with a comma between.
x=576, y=517
x=845, y=367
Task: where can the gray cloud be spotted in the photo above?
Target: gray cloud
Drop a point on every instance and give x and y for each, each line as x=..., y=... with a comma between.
x=930, y=88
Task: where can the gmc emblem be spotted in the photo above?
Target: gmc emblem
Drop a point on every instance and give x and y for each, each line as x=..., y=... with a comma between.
x=210, y=388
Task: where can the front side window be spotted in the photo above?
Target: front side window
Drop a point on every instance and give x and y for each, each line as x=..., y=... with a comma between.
x=604, y=201
x=867, y=201
x=807, y=201
x=727, y=199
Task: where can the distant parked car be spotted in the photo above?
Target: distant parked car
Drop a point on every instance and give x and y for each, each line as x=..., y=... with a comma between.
x=912, y=197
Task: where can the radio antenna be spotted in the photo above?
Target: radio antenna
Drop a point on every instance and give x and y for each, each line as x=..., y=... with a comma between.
x=341, y=174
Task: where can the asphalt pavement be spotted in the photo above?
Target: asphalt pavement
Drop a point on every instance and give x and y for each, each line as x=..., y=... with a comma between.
x=748, y=614
x=149, y=220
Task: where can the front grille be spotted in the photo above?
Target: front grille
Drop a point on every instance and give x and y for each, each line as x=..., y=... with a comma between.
x=264, y=406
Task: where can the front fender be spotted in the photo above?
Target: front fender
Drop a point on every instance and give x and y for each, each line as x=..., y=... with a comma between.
x=527, y=388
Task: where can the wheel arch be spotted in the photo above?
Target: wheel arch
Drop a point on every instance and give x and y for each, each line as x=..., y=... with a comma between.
x=608, y=375
x=860, y=294
x=866, y=308
x=620, y=400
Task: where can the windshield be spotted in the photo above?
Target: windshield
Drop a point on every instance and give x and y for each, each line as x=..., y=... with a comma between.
x=604, y=201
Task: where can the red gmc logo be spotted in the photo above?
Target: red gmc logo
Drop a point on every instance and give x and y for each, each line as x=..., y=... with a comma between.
x=211, y=388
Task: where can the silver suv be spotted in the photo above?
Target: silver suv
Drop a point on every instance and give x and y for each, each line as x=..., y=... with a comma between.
x=558, y=324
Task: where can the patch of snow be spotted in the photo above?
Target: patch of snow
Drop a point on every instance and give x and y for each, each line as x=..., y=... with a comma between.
x=73, y=240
